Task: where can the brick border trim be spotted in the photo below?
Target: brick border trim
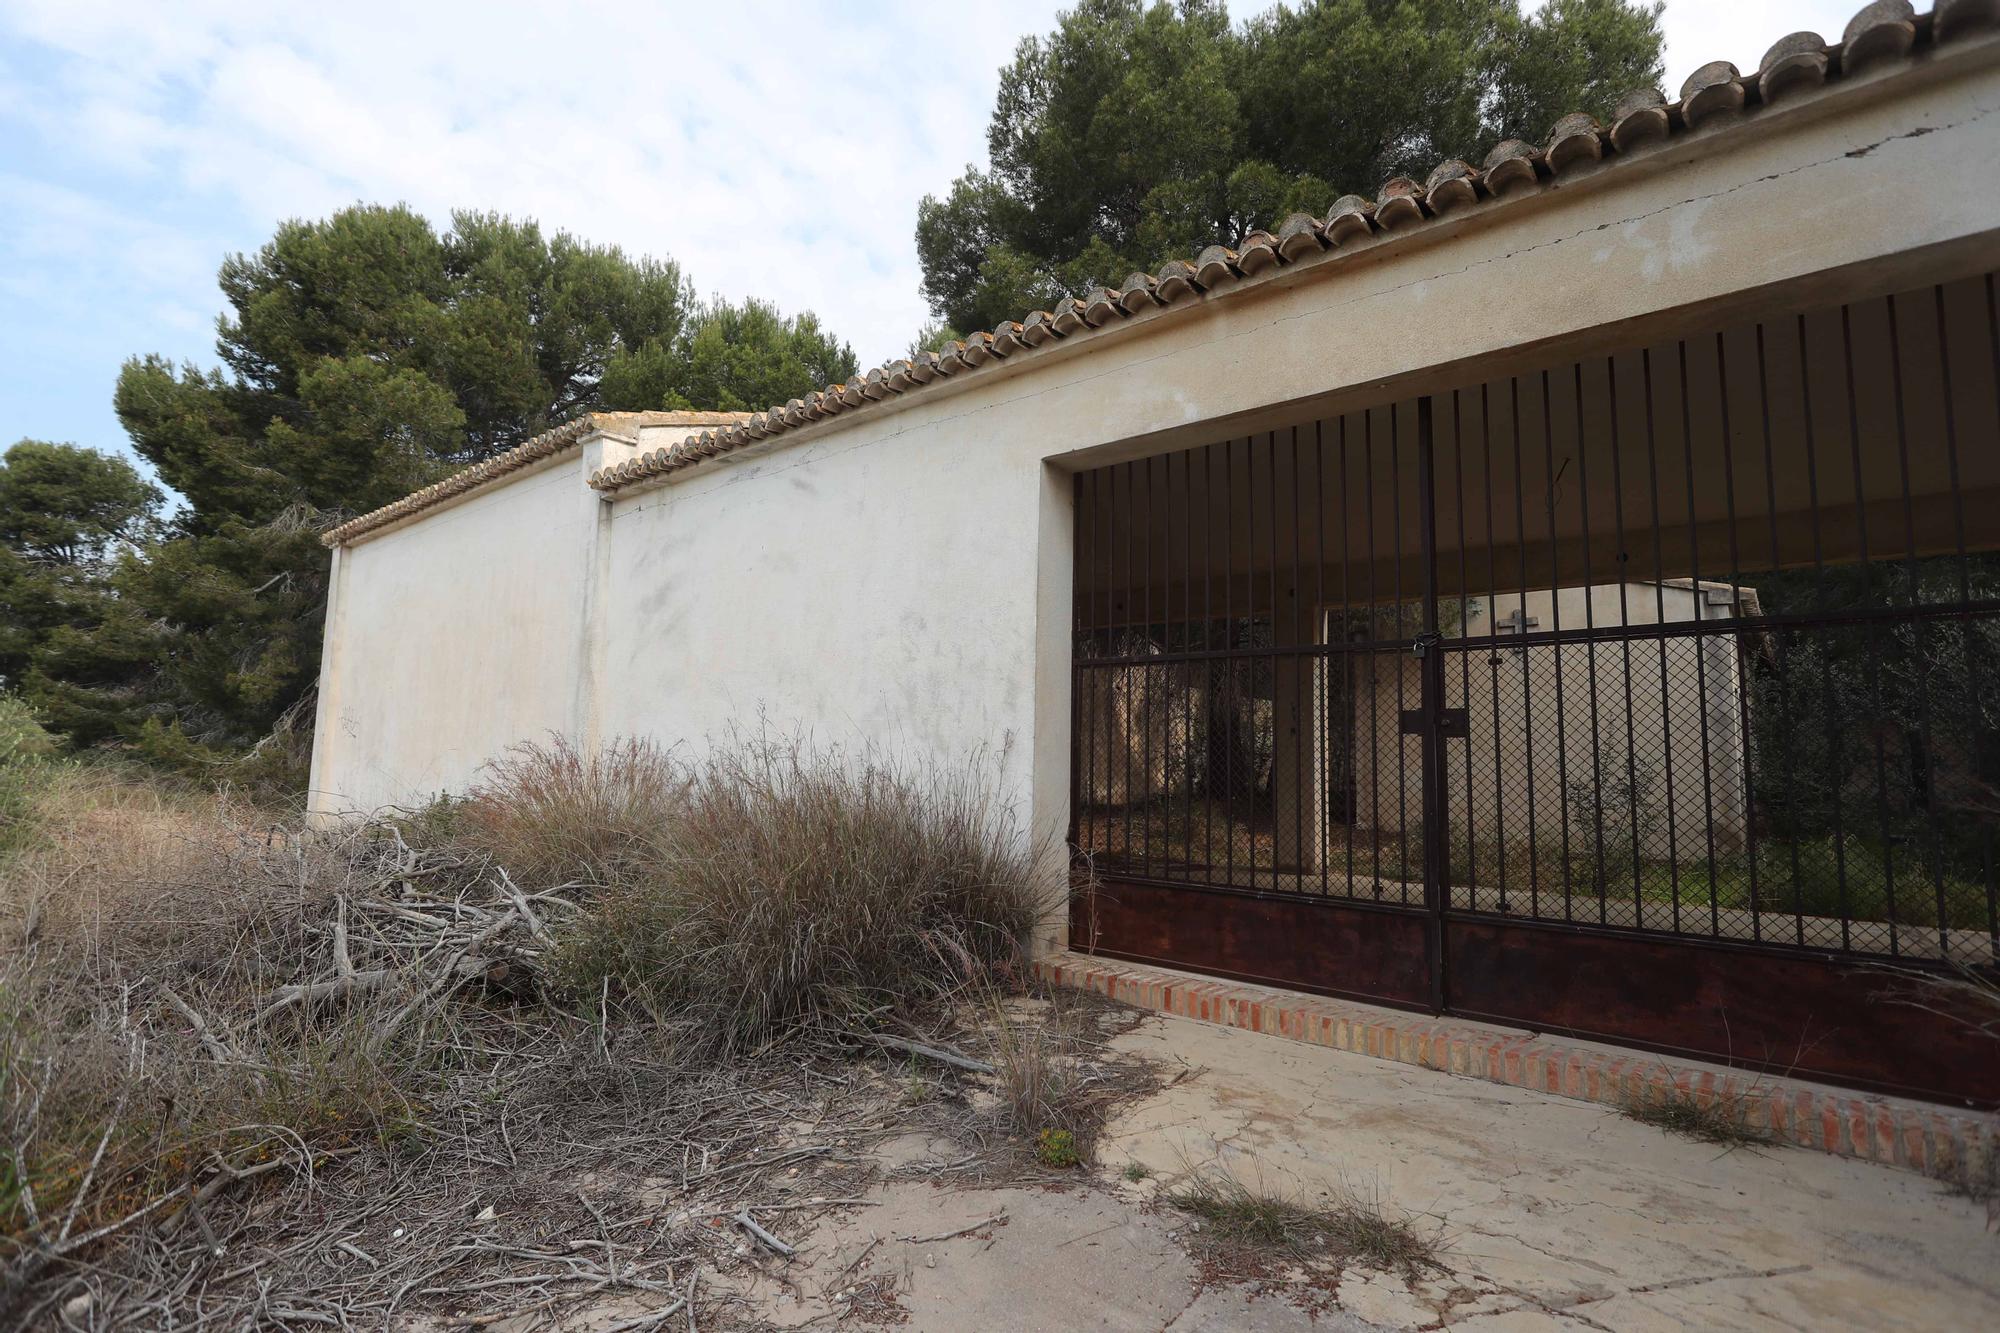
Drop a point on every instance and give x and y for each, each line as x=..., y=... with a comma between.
x=1935, y=1141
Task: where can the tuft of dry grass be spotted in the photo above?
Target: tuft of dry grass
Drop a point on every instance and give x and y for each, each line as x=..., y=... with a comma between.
x=1722, y=1118
x=1349, y=1229
x=1036, y=1083
x=553, y=815
x=1261, y=1223
x=802, y=890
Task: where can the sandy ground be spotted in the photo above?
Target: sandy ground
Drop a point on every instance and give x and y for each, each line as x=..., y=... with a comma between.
x=1552, y=1213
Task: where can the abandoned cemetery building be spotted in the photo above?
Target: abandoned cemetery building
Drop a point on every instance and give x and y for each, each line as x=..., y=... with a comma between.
x=1563, y=592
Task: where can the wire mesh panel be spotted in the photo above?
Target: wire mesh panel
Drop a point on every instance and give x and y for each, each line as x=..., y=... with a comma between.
x=1243, y=613
x=1722, y=619
x=1642, y=696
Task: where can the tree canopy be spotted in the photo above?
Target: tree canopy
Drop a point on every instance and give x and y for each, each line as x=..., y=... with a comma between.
x=66, y=517
x=362, y=357
x=1136, y=132
x=739, y=358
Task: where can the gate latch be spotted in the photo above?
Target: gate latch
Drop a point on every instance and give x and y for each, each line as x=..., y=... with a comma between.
x=1451, y=723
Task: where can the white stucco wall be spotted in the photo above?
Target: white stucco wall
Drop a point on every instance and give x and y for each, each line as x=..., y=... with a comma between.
x=901, y=576
x=449, y=639
x=879, y=590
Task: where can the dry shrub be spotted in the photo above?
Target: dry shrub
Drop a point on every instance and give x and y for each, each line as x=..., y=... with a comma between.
x=1037, y=1083
x=194, y=990
x=554, y=816
x=134, y=901
x=795, y=889
x=1042, y=1078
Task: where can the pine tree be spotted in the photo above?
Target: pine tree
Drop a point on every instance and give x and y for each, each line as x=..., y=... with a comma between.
x=1137, y=133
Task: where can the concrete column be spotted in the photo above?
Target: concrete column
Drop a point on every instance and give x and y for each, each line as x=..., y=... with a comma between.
x=595, y=569
x=323, y=806
x=1049, y=765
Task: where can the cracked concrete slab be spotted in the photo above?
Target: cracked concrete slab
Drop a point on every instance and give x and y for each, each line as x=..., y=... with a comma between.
x=1553, y=1213
x=1558, y=1211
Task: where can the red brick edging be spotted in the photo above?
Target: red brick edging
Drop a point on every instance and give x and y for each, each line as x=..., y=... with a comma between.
x=1936, y=1141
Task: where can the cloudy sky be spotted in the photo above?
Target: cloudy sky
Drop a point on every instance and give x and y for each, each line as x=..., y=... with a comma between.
x=775, y=149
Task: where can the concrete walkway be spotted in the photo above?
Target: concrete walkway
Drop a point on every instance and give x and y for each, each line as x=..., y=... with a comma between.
x=1556, y=1212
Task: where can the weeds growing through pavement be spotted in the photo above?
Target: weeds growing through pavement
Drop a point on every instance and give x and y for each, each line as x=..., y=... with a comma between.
x=1721, y=1117
x=1261, y=1223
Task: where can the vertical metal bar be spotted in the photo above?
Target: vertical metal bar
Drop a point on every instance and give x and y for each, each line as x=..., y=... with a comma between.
x=1437, y=851
x=1826, y=689
x=1301, y=710
x=1148, y=707
x=1082, y=554
x=1126, y=644
x=1700, y=643
x=1735, y=640
x=1401, y=606
x=1556, y=624
x=1229, y=663
x=1875, y=662
x=1346, y=659
x=1191, y=665
x=1464, y=651
x=1527, y=689
x=1100, y=750
x=1209, y=526
x=1745, y=738
x=1166, y=670
x=1374, y=633
x=1322, y=664
x=1271, y=443
x=1590, y=650
x=1927, y=769
x=1968, y=628
x=1493, y=648
x=1251, y=658
x=1660, y=618
x=1992, y=882
x=1625, y=645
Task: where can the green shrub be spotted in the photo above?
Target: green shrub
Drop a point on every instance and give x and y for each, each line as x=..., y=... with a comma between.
x=1056, y=1148
x=26, y=753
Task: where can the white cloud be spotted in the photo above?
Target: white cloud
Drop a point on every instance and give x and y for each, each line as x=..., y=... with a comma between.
x=775, y=149
x=770, y=150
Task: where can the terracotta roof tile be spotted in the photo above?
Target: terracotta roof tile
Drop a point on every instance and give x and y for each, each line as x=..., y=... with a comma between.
x=1794, y=62
x=1512, y=165
x=1884, y=31
x=1352, y=219
x=1641, y=116
x=1576, y=138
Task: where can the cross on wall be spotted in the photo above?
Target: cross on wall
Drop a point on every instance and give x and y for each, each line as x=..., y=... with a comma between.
x=1517, y=622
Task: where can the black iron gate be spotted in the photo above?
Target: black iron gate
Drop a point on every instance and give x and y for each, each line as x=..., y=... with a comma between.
x=1653, y=697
